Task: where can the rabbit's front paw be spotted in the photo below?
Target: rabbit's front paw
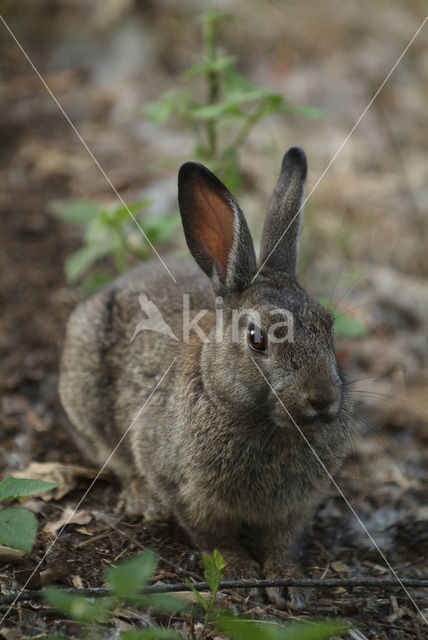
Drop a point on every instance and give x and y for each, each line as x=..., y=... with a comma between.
x=238, y=568
x=243, y=569
x=287, y=597
x=137, y=499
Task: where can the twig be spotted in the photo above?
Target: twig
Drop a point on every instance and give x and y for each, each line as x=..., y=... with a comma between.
x=213, y=84
x=232, y=584
x=15, y=556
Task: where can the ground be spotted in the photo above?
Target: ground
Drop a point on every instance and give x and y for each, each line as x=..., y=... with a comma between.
x=364, y=246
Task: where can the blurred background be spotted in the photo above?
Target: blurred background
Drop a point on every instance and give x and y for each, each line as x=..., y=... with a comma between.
x=302, y=73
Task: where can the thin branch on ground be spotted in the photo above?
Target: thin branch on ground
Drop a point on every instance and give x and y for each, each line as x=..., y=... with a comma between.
x=232, y=584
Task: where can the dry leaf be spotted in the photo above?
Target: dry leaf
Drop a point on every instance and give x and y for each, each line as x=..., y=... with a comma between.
x=66, y=475
x=11, y=633
x=33, y=504
x=340, y=567
x=15, y=556
x=68, y=516
x=77, y=582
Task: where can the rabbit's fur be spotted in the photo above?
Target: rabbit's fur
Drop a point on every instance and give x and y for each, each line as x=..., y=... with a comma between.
x=214, y=444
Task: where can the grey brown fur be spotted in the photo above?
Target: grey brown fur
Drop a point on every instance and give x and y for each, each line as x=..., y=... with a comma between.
x=213, y=445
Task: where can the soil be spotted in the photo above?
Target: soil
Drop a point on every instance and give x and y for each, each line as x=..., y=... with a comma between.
x=362, y=217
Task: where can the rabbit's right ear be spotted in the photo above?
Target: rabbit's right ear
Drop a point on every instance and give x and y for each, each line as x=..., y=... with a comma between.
x=280, y=238
x=215, y=228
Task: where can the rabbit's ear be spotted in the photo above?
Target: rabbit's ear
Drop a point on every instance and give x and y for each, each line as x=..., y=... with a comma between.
x=280, y=238
x=215, y=228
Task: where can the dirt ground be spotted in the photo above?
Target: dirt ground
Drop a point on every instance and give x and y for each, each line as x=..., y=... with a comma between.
x=364, y=246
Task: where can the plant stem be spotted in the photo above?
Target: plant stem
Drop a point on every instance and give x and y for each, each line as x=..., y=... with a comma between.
x=245, y=130
x=120, y=256
x=208, y=613
x=213, y=82
x=327, y=583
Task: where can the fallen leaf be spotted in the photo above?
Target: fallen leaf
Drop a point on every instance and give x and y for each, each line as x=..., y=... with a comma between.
x=84, y=531
x=14, y=556
x=65, y=475
x=340, y=567
x=33, y=504
x=68, y=516
x=77, y=582
x=31, y=578
x=11, y=633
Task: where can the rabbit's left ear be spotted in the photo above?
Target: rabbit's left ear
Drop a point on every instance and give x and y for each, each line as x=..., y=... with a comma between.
x=216, y=231
x=280, y=238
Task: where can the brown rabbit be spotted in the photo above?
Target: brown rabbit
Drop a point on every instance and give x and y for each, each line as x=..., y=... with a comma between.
x=215, y=444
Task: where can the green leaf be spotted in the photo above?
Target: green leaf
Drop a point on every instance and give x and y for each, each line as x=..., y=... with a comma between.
x=213, y=16
x=314, y=631
x=79, y=212
x=210, y=572
x=18, y=528
x=307, y=110
x=78, y=607
x=228, y=121
x=200, y=598
x=12, y=488
x=171, y=103
x=347, y=327
x=163, y=602
x=79, y=262
x=151, y=634
x=96, y=281
x=204, y=67
x=235, y=99
x=274, y=102
x=245, y=629
x=215, y=111
x=160, y=228
x=213, y=568
x=234, y=80
x=117, y=216
x=220, y=562
x=130, y=576
x=137, y=207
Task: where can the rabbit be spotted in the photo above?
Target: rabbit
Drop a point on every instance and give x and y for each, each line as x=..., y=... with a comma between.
x=225, y=439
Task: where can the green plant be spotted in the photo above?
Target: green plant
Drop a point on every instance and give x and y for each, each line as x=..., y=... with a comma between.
x=232, y=107
x=242, y=629
x=238, y=628
x=345, y=326
x=127, y=582
x=220, y=124
x=213, y=569
x=110, y=231
x=18, y=527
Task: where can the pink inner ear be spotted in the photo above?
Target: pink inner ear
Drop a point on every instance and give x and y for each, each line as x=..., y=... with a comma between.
x=214, y=226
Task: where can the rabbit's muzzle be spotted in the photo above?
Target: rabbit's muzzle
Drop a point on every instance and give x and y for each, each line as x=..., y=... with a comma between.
x=315, y=404
x=323, y=403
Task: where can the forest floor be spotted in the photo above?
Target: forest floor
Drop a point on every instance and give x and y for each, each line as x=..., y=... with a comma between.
x=367, y=233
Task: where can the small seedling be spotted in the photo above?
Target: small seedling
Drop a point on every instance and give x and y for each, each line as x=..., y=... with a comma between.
x=233, y=106
x=214, y=567
x=246, y=629
x=18, y=527
x=220, y=125
x=127, y=582
x=111, y=231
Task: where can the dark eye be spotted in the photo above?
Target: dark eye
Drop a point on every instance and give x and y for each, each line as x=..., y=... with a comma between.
x=256, y=338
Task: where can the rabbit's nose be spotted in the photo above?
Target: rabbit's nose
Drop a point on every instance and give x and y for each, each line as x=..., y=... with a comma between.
x=323, y=399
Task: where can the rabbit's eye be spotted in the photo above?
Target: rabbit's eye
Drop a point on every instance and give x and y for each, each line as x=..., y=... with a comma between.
x=256, y=338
